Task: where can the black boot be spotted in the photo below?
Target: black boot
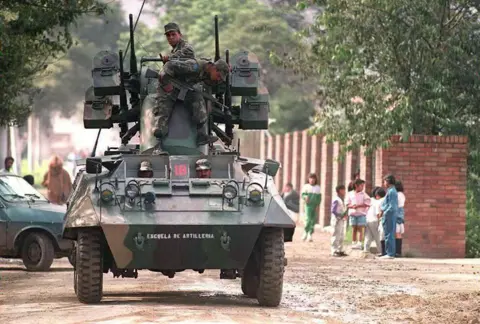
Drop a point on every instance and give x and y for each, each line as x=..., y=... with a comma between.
x=203, y=138
x=383, y=248
x=398, y=247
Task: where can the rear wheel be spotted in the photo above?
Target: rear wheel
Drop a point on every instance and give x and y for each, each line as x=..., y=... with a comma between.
x=271, y=265
x=37, y=252
x=88, y=269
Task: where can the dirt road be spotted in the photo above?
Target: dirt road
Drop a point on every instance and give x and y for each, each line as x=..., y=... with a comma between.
x=317, y=289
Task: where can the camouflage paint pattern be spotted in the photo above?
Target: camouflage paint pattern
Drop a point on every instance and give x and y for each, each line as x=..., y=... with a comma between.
x=188, y=227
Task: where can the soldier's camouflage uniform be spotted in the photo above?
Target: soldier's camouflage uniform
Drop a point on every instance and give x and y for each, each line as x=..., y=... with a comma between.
x=192, y=72
x=182, y=50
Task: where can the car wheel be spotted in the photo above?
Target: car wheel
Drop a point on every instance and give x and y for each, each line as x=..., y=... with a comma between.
x=272, y=257
x=37, y=252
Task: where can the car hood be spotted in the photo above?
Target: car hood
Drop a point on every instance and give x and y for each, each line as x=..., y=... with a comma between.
x=41, y=212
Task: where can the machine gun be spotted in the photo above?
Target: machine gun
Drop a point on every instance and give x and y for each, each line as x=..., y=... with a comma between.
x=110, y=79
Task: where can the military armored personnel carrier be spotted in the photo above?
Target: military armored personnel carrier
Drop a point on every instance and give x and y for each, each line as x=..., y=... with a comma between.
x=133, y=209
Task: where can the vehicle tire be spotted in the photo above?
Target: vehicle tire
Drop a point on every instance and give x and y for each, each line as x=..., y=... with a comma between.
x=37, y=252
x=271, y=264
x=88, y=274
x=250, y=279
x=72, y=256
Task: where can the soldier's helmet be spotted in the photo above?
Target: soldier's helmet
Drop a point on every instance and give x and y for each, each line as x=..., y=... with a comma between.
x=146, y=166
x=223, y=68
x=203, y=164
x=171, y=27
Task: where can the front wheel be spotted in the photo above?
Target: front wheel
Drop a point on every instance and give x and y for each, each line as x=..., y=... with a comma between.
x=37, y=252
x=88, y=271
x=271, y=265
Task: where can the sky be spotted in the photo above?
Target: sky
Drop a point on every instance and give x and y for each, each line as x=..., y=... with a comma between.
x=133, y=7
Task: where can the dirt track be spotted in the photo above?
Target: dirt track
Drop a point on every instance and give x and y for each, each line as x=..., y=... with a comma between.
x=317, y=289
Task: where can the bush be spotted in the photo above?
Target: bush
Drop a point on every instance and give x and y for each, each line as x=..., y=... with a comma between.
x=473, y=224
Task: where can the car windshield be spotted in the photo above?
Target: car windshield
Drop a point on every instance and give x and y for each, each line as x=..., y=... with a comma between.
x=16, y=188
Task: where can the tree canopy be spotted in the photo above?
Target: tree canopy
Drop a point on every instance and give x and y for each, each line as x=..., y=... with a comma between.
x=394, y=67
x=32, y=34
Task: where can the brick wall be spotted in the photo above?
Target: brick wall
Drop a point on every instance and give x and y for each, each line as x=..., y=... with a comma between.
x=432, y=168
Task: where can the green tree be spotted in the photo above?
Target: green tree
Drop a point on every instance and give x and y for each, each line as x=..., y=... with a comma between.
x=31, y=34
x=394, y=67
x=69, y=77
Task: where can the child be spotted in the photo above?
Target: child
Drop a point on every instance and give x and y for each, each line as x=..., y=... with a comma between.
x=357, y=202
x=338, y=222
x=312, y=197
x=400, y=228
x=371, y=230
x=388, y=212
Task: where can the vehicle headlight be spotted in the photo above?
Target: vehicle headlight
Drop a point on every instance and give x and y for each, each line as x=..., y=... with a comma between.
x=149, y=198
x=132, y=190
x=106, y=195
x=230, y=192
x=254, y=192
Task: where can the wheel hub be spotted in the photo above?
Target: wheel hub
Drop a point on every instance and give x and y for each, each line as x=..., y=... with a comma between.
x=34, y=252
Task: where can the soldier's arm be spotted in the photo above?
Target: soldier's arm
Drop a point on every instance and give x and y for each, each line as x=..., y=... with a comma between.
x=185, y=52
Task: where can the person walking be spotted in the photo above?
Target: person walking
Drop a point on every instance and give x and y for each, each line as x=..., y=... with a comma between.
x=57, y=181
x=312, y=198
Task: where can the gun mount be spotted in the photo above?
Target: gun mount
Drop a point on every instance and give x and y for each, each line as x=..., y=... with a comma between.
x=140, y=83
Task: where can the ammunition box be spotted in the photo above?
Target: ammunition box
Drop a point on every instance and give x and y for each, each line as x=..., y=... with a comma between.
x=106, y=74
x=97, y=110
x=254, y=111
x=245, y=74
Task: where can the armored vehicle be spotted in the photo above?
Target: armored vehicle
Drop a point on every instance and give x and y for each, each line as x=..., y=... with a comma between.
x=137, y=207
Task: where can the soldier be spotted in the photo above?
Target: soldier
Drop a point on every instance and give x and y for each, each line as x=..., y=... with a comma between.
x=180, y=48
x=145, y=170
x=192, y=72
x=203, y=168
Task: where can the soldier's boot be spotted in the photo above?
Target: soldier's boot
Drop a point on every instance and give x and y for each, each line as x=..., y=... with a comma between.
x=204, y=138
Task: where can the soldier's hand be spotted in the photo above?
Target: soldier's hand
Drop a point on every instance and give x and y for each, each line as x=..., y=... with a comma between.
x=164, y=58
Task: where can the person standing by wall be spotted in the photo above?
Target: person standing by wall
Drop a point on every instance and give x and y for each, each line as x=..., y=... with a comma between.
x=312, y=198
x=57, y=181
x=400, y=227
x=389, y=210
x=371, y=230
x=357, y=202
x=339, y=214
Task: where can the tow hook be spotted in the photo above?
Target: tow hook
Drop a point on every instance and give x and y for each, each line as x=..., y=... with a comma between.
x=285, y=262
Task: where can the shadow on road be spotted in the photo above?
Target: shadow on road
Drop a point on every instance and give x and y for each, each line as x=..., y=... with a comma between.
x=178, y=297
x=25, y=270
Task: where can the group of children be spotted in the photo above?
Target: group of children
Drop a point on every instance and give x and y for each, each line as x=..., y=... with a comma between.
x=372, y=214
